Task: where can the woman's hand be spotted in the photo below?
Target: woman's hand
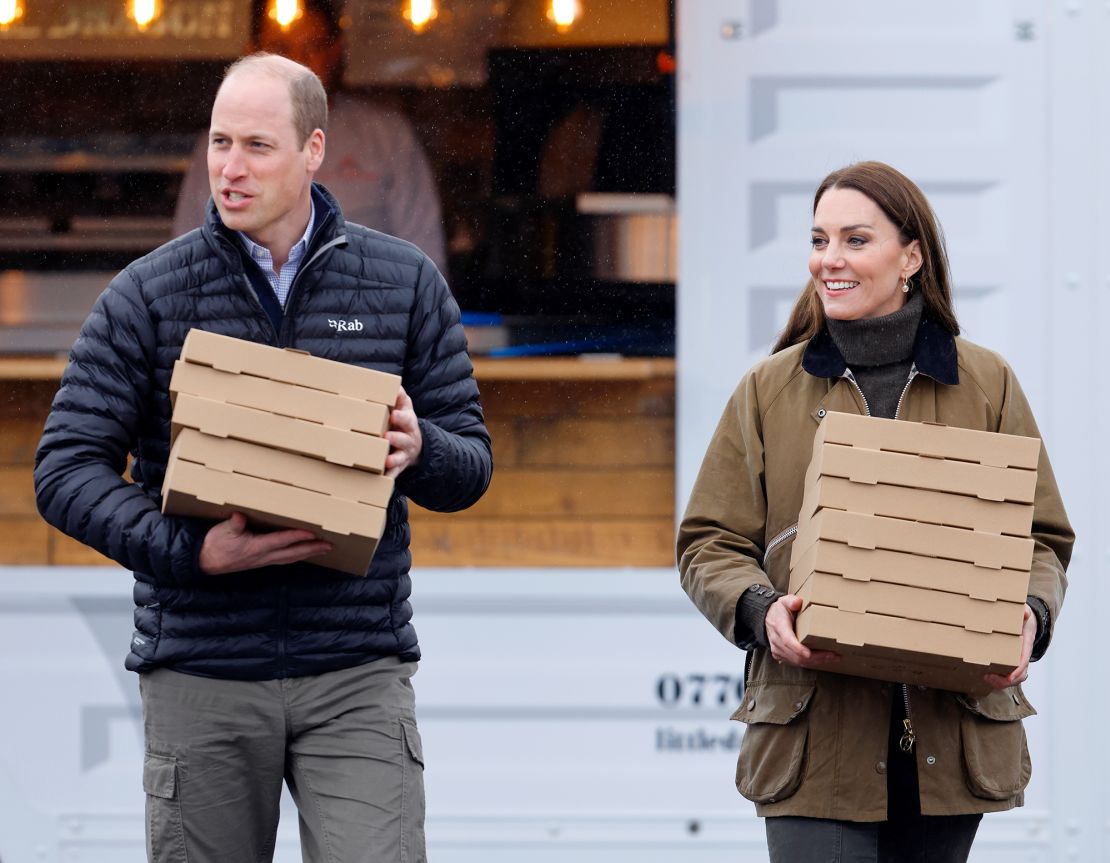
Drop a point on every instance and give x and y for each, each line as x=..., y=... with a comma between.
x=1021, y=673
x=785, y=646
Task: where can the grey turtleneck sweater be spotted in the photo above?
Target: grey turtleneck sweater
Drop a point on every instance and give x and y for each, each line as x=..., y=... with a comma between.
x=879, y=353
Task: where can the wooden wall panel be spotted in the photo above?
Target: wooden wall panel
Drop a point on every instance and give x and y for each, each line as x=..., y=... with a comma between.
x=544, y=399
x=646, y=441
x=18, y=439
x=447, y=541
x=17, y=492
x=65, y=551
x=584, y=476
x=608, y=492
x=24, y=541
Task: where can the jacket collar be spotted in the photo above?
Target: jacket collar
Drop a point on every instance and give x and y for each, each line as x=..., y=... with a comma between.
x=934, y=354
x=329, y=222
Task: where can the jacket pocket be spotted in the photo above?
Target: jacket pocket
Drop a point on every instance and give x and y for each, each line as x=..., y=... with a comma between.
x=413, y=746
x=164, y=829
x=995, y=751
x=413, y=848
x=773, y=752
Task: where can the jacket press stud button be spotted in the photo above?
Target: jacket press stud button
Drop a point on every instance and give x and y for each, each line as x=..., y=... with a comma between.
x=751, y=704
x=931, y=760
x=880, y=767
x=822, y=412
x=973, y=703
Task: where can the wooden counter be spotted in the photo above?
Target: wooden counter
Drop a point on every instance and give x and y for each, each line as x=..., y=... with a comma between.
x=587, y=368
x=583, y=458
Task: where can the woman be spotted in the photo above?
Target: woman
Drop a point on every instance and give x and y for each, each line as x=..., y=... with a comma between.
x=845, y=768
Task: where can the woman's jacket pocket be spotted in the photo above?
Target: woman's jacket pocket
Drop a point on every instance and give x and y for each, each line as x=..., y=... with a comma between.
x=995, y=751
x=773, y=752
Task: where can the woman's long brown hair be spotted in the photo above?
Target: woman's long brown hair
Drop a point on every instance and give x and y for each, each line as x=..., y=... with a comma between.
x=907, y=207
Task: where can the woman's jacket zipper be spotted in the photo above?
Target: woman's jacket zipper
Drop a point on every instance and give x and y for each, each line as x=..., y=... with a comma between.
x=777, y=541
x=908, y=737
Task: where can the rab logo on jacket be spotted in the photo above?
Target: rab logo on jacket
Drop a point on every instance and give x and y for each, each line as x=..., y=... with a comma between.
x=354, y=326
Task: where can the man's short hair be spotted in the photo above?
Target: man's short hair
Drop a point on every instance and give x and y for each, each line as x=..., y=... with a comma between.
x=306, y=93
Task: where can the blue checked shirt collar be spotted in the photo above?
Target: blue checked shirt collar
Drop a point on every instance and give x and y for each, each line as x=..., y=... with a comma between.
x=283, y=280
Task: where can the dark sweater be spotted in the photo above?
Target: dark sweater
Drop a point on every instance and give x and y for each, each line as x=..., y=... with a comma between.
x=879, y=353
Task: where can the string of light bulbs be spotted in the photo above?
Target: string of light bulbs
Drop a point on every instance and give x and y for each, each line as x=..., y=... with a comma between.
x=419, y=14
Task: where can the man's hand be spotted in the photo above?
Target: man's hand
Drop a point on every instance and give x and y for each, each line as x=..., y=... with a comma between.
x=785, y=646
x=1021, y=673
x=405, y=442
x=230, y=547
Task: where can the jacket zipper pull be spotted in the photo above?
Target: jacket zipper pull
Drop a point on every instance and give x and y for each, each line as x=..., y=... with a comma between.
x=908, y=737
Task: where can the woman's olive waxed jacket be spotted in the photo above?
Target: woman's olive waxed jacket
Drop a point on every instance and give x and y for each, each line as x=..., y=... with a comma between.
x=816, y=742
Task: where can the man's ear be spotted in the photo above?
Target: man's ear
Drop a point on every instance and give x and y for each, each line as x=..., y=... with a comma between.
x=314, y=150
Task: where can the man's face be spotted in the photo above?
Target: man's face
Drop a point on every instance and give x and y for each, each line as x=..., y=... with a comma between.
x=260, y=177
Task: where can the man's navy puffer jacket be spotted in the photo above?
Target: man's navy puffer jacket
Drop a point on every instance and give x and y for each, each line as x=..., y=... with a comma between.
x=276, y=622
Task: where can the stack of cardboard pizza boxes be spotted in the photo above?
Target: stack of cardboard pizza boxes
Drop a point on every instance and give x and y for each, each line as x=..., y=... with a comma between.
x=913, y=550
x=288, y=439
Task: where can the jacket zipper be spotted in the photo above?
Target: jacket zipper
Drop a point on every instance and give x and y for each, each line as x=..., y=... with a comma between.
x=777, y=541
x=284, y=590
x=852, y=378
x=905, y=743
x=261, y=312
x=283, y=604
x=283, y=614
x=908, y=737
x=277, y=339
x=905, y=389
x=331, y=244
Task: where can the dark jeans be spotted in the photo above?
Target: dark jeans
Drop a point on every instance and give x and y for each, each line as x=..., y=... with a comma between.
x=906, y=836
x=920, y=839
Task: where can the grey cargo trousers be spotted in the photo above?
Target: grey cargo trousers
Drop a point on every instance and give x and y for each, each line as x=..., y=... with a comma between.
x=345, y=742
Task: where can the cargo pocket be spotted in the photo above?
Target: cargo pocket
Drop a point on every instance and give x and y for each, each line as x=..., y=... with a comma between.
x=165, y=837
x=773, y=752
x=995, y=751
x=412, y=795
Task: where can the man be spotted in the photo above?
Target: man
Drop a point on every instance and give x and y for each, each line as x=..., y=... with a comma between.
x=256, y=666
x=376, y=167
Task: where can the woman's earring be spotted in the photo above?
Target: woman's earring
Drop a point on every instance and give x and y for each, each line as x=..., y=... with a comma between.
x=906, y=286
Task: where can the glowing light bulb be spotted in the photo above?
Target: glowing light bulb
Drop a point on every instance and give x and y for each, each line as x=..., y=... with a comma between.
x=564, y=13
x=10, y=12
x=420, y=13
x=143, y=12
x=285, y=12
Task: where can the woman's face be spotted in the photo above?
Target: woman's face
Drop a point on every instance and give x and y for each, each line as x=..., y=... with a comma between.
x=858, y=262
